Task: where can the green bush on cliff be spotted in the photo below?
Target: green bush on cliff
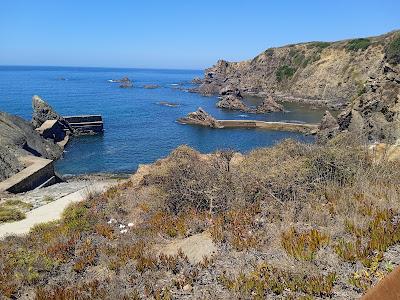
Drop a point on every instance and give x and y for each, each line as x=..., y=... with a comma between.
x=284, y=72
x=393, y=51
x=319, y=45
x=357, y=44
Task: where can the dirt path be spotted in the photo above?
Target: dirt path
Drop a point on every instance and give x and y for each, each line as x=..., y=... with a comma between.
x=51, y=211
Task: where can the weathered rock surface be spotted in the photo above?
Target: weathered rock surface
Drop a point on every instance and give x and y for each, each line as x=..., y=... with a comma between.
x=197, y=80
x=232, y=102
x=269, y=105
x=375, y=112
x=43, y=112
x=200, y=117
x=315, y=71
x=19, y=138
x=328, y=127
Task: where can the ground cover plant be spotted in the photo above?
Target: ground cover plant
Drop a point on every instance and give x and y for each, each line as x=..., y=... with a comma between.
x=294, y=221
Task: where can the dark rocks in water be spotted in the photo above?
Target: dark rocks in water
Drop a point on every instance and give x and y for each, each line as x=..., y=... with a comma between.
x=328, y=128
x=151, y=86
x=168, y=104
x=62, y=78
x=232, y=102
x=19, y=138
x=200, y=117
x=126, y=83
x=269, y=105
x=43, y=112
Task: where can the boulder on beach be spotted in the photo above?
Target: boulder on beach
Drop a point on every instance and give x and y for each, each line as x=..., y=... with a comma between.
x=328, y=127
x=200, y=117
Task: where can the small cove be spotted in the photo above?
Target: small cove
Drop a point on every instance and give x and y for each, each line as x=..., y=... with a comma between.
x=138, y=127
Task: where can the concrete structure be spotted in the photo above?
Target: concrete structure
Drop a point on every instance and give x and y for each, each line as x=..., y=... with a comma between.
x=39, y=172
x=86, y=124
x=278, y=126
x=52, y=129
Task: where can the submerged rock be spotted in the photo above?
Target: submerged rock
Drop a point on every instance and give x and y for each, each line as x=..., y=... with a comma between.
x=168, y=104
x=200, y=117
x=151, y=86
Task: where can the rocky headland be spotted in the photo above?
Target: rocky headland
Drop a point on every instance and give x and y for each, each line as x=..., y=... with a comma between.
x=358, y=76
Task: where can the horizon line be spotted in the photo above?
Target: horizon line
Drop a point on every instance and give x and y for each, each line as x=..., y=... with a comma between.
x=98, y=67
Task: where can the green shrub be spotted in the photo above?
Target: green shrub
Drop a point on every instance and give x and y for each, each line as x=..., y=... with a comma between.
x=9, y=214
x=284, y=72
x=357, y=44
x=319, y=45
x=393, y=51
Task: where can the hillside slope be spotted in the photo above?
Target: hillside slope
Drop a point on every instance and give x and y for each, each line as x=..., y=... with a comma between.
x=361, y=76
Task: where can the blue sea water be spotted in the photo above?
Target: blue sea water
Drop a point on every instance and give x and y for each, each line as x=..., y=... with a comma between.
x=137, y=129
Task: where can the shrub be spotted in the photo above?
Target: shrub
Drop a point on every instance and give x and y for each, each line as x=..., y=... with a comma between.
x=8, y=214
x=357, y=44
x=319, y=45
x=392, y=51
x=284, y=72
x=303, y=245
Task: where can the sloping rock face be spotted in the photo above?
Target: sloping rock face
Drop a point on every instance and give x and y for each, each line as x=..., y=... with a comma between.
x=231, y=102
x=200, y=117
x=43, y=112
x=319, y=72
x=18, y=138
x=328, y=127
x=375, y=113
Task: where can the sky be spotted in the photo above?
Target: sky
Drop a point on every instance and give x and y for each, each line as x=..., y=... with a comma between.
x=185, y=34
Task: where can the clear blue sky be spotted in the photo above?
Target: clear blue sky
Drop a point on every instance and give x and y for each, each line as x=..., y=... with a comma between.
x=176, y=34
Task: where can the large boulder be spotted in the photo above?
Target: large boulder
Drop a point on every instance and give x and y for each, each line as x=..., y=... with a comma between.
x=232, y=102
x=230, y=90
x=200, y=117
x=269, y=105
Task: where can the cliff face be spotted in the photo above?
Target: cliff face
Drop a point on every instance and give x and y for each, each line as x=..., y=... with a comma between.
x=360, y=76
x=331, y=73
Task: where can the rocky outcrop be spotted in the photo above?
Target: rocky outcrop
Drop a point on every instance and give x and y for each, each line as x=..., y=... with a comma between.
x=328, y=127
x=200, y=117
x=269, y=105
x=19, y=138
x=43, y=112
x=319, y=72
x=232, y=102
x=125, y=83
x=375, y=112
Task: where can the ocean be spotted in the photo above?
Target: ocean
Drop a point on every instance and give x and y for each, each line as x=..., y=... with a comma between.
x=138, y=129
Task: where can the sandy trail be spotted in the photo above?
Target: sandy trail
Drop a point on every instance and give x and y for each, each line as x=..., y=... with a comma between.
x=51, y=211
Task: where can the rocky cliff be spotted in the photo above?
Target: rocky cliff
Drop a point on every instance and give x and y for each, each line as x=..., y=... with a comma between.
x=361, y=76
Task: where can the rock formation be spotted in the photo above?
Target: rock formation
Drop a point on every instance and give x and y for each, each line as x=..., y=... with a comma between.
x=231, y=102
x=375, y=112
x=269, y=105
x=43, y=112
x=200, y=117
x=19, y=138
x=328, y=127
x=316, y=72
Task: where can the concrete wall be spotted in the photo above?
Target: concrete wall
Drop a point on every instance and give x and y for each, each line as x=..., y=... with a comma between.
x=89, y=123
x=37, y=172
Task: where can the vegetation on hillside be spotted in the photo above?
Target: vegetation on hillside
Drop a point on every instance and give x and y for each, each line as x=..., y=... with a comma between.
x=393, y=51
x=292, y=221
x=358, y=44
x=284, y=72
